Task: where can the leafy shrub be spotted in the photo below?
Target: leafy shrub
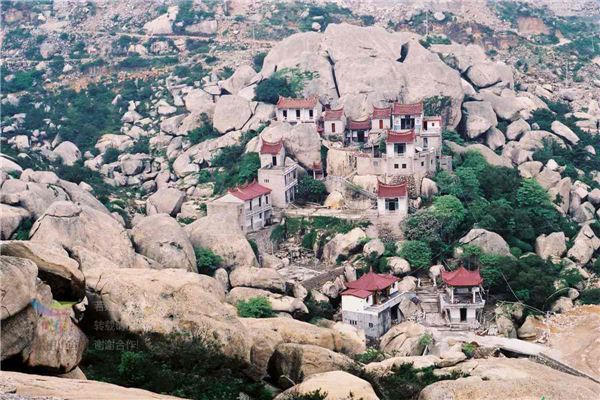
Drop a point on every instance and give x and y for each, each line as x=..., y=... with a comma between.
x=204, y=132
x=111, y=155
x=258, y=60
x=469, y=349
x=134, y=61
x=310, y=190
x=308, y=241
x=317, y=309
x=192, y=367
x=417, y=253
x=254, y=247
x=255, y=307
x=269, y=90
x=207, y=261
x=590, y=296
x=425, y=340
x=370, y=355
x=141, y=146
x=22, y=232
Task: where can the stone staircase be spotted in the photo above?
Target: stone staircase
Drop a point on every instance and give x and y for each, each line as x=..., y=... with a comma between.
x=428, y=294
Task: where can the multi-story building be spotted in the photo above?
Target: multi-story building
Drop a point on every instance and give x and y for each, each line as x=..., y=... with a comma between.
x=277, y=173
x=371, y=303
x=249, y=204
x=296, y=111
x=462, y=303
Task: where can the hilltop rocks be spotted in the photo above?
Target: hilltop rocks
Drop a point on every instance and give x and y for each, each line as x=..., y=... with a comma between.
x=166, y=301
x=336, y=385
x=301, y=141
x=510, y=378
x=479, y=117
x=398, y=265
x=489, y=242
x=584, y=246
x=297, y=362
x=54, y=266
x=71, y=225
x=10, y=219
x=260, y=278
x=224, y=238
x=553, y=245
x=374, y=246
x=9, y=166
x=403, y=339
x=160, y=238
x=68, y=152
x=342, y=244
x=34, y=386
x=162, y=25
x=485, y=74
x=21, y=274
x=231, y=113
x=564, y=132
x=279, y=302
x=197, y=101
x=516, y=129
x=242, y=77
x=165, y=201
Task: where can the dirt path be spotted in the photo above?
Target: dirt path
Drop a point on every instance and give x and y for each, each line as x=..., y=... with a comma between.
x=576, y=336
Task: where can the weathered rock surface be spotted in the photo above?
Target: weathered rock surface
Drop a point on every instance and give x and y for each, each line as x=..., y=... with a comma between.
x=403, y=339
x=21, y=274
x=224, y=238
x=299, y=361
x=231, y=113
x=552, y=245
x=342, y=244
x=160, y=238
x=69, y=225
x=68, y=152
x=165, y=201
x=584, y=246
x=510, y=378
x=55, y=267
x=260, y=278
x=10, y=219
x=479, y=117
x=166, y=301
x=489, y=242
x=32, y=386
x=279, y=302
x=564, y=132
x=337, y=384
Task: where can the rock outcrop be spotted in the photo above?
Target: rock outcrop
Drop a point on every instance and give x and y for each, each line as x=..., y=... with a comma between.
x=489, y=242
x=336, y=384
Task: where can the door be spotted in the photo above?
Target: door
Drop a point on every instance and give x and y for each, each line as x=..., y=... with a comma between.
x=360, y=137
x=463, y=315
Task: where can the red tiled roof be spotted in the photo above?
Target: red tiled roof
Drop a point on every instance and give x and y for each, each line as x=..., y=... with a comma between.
x=407, y=109
x=359, y=125
x=385, y=190
x=462, y=277
x=380, y=113
x=372, y=282
x=271, y=148
x=333, y=115
x=250, y=191
x=360, y=293
x=288, y=102
x=400, y=137
x=432, y=118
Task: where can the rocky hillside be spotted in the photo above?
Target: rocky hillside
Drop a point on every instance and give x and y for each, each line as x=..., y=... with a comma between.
x=120, y=122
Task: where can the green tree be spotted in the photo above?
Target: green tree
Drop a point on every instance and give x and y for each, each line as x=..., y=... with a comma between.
x=258, y=60
x=255, y=307
x=204, y=132
x=269, y=90
x=417, y=253
x=311, y=190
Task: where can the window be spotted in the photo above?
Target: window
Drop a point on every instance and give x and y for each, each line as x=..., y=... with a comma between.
x=250, y=204
x=267, y=199
x=407, y=122
x=370, y=324
x=396, y=166
x=284, y=113
x=403, y=166
x=297, y=113
x=422, y=163
x=425, y=143
x=391, y=204
x=310, y=114
x=265, y=181
x=260, y=216
x=260, y=201
x=333, y=127
x=274, y=161
x=400, y=148
x=425, y=125
x=380, y=124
